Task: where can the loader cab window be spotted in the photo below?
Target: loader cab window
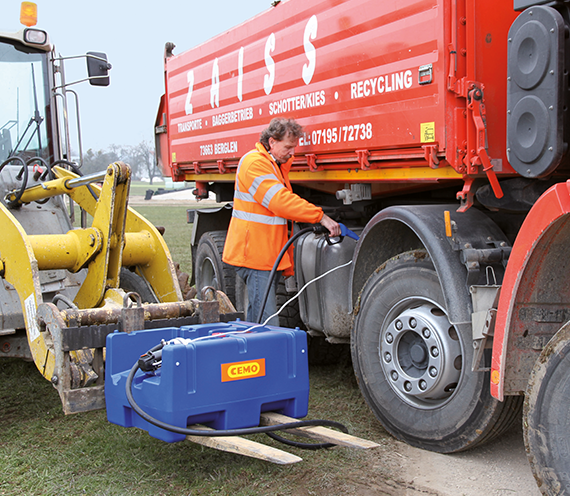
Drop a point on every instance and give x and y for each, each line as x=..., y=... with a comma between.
x=24, y=103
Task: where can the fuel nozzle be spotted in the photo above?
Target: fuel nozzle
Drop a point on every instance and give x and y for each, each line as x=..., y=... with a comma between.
x=151, y=360
x=344, y=231
x=320, y=229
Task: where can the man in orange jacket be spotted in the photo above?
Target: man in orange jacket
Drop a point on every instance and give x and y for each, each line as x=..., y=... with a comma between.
x=263, y=202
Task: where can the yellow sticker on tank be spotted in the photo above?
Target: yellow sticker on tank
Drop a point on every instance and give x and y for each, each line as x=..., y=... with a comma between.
x=243, y=370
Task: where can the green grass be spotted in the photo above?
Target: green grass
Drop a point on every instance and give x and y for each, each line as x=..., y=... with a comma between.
x=177, y=230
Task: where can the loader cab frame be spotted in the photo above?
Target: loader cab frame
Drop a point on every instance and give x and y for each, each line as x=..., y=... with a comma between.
x=28, y=119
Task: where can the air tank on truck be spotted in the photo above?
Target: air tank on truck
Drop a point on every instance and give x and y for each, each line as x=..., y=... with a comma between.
x=438, y=131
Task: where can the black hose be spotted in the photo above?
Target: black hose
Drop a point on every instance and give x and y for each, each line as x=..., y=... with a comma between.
x=317, y=229
x=13, y=204
x=307, y=446
x=25, y=183
x=227, y=432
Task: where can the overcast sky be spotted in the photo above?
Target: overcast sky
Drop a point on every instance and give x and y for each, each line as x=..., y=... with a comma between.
x=132, y=34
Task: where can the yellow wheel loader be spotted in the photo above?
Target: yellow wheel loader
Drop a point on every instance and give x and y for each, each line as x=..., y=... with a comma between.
x=62, y=288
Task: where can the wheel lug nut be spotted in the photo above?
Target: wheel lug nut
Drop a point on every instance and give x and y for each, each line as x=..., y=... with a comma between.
x=413, y=323
x=426, y=333
x=407, y=386
x=434, y=352
x=389, y=338
x=432, y=371
x=387, y=357
x=394, y=375
x=399, y=325
x=423, y=385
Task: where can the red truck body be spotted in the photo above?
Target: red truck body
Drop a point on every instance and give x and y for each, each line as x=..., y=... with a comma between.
x=407, y=106
x=379, y=87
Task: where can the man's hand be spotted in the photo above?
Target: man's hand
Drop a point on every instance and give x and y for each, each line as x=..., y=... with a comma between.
x=331, y=225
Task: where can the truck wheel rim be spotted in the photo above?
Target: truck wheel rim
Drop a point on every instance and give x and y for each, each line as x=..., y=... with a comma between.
x=420, y=353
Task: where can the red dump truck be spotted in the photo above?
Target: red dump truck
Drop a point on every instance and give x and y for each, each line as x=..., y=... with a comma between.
x=437, y=130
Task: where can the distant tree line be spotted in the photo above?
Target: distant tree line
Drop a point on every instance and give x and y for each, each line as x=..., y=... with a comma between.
x=140, y=157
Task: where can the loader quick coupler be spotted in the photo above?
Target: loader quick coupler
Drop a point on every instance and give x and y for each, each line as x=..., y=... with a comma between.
x=79, y=338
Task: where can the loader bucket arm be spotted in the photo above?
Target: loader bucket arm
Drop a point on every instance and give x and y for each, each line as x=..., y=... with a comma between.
x=144, y=246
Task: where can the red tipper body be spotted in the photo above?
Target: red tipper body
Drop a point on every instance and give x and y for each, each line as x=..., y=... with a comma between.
x=382, y=90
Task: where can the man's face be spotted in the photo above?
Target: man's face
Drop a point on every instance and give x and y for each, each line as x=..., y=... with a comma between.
x=283, y=150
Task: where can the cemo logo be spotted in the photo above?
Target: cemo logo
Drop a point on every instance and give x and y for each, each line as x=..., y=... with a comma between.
x=243, y=370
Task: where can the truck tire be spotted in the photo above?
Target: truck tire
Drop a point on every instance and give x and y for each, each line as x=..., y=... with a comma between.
x=209, y=268
x=289, y=317
x=414, y=367
x=546, y=420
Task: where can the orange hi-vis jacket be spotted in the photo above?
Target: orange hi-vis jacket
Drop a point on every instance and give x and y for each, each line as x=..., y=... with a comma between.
x=263, y=201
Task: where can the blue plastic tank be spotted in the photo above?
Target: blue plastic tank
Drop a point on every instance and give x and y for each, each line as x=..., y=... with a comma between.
x=221, y=376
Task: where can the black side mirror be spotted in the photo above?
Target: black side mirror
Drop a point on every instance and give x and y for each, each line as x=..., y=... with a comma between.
x=98, y=69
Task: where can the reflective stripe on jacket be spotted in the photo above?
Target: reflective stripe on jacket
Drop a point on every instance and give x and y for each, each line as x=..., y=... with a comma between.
x=263, y=201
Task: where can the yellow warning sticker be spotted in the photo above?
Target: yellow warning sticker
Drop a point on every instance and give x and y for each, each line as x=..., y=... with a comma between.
x=427, y=132
x=173, y=157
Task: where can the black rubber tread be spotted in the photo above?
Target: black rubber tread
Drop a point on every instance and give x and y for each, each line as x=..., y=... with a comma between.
x=211, y=246
x=509, y=414
x=470, y=416
x=290, y=316
x=131, y=281
x=546, y=421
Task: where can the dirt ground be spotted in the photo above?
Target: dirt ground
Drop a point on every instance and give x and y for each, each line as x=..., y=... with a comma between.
x=499, y=468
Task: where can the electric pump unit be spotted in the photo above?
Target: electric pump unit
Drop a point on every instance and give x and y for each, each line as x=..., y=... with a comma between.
x=221, y=375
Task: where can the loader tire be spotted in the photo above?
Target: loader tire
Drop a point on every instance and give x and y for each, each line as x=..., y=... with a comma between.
x=209, y=268
x=414, y=367
x=131, y=281
x=546, y=421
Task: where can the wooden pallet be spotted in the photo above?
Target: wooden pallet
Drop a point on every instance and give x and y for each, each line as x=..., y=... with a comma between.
x=253, y=449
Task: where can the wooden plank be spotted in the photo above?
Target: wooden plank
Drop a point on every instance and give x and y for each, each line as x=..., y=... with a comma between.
x=321, y=434
x=246, y=447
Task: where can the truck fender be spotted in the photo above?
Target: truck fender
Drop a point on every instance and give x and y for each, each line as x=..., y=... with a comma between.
x=398, y=229
x=203, y=221
x=535, y=295
x=208, y=219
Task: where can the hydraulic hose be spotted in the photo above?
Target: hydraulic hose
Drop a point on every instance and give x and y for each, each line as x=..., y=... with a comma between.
x=24, y=170
x=316, y=229
x=227, y=432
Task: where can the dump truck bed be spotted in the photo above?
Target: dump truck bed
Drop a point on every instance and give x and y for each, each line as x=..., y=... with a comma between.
x=379, y=87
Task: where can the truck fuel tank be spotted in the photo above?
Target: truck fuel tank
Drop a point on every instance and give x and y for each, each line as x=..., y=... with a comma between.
x=323, y=305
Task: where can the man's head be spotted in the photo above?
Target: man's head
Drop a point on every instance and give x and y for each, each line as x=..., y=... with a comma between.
x=281, y=137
